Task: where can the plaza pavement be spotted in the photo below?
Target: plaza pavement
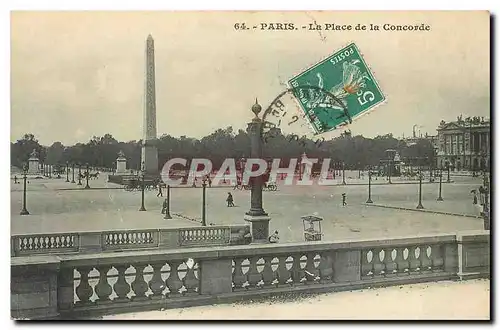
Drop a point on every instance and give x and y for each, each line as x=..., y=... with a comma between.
x=55, y=210
x=446, y=300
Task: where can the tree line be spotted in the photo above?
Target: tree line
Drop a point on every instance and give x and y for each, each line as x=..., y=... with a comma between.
x=356, y=152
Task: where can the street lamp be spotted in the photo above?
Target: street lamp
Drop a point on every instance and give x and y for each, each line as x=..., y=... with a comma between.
x=79, y=174
x=420, y=206
x=440, y=198
x=167, y=209
x=87, y=174
x=142, y=188
x=486, y=209
x=24, y=211
x=369, y=200
x=343, y=173
x=73, y=175
x=67, y=172
x=448, y=169
x=203, y=201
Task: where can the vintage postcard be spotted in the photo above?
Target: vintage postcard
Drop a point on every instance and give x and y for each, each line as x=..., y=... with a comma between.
x=253, y=165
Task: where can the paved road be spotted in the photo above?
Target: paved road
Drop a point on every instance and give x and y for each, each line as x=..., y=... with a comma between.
x=71, y=210
x=468, y=300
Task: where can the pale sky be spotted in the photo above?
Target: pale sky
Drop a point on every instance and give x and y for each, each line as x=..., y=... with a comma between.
x=79, y=74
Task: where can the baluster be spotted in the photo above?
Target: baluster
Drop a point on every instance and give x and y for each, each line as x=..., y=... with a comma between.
x=57, y=242
x=366, y=266
x=107, y=239
x=103, y=289
x=390, y=263
x=378, y=263
x=414, y=261
x=38, y=243
x=84, y=290
x=156, y=283
x=268, y=276
x=22, y=243
x=437, y=258
x=72, y=241
x=297, y=271
x=425, y=261
x=254, y=277
x=190, y=281
x=283, y=273
x=174, y=283
x=311, y=269
x=139, y=285
x=401, y=262
x=238, y=277
x=121, y=287
x=326, y=267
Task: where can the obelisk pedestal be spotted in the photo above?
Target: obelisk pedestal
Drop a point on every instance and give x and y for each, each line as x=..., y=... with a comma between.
x=149, y=156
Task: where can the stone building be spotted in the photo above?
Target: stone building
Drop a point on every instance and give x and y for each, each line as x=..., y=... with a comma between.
x=464, y=144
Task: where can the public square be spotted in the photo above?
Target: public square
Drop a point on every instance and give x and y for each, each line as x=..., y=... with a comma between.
x=58, y=206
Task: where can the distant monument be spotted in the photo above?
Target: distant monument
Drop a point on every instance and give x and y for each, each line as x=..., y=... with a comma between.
x=33, y=163
x=149, y=155
x=121, y=164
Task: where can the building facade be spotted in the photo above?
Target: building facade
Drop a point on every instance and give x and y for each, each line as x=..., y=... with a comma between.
x=464, y=144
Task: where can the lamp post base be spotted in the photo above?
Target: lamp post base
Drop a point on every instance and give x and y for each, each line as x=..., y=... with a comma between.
x=369, y=201
x=259, y=228
x=24, y=212
x=440, y=199
x=420, y=206
x=142, y=208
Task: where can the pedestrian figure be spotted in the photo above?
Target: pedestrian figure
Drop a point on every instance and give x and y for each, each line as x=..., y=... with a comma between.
x=474, y=197
x=229, y=200
x=274, y=238
x=344, y=203
x=160, y=192
x=15, y=179
x=164, y=207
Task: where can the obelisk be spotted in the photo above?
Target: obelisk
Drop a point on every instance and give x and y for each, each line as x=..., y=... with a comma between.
x=149, y=150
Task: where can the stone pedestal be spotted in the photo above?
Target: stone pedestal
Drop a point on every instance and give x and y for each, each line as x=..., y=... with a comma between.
x=259, y=228
x=33, y=165
x=121, y=164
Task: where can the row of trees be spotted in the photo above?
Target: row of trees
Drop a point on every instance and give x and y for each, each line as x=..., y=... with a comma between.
x=354, y=151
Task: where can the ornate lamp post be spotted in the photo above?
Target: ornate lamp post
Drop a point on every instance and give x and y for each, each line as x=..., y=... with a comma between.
x=420, y=206
x=256, y=215
x=67, y=172
x=73, y=176
x=203, y=202
x=87, y=175
x=167, y=209
x=79, y=174
x=24, y=211
x=369, y=200
x=50, y=171
x=440, y=198
x=142, y=187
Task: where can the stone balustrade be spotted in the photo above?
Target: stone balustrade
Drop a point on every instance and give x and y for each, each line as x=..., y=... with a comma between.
x=110, y=283
x=123, y=240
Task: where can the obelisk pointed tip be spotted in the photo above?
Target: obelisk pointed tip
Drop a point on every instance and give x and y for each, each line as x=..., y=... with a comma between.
x=150, y=37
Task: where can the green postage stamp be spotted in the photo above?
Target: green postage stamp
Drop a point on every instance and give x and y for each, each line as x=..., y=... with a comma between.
x=344, y=75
